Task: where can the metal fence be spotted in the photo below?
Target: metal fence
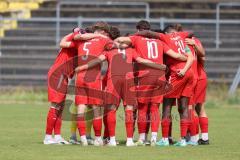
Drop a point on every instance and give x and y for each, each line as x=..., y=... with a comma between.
x=159, y=22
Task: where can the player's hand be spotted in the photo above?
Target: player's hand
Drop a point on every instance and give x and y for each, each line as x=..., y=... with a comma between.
x=181, y=72
x=78, y=69
x=190, y=41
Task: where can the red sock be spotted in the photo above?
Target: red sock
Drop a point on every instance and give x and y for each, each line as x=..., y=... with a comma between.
x=154, y=117
x=142, y=118
x=192, y=125
x=184, y=124
x=106, y=133
x=203, y=124
x=97, y=126
x=81, y=125
x=51, y=120
x=165, y=127
x=111, y=122
x=129, y=122
x=148, y=120
x=58, y=125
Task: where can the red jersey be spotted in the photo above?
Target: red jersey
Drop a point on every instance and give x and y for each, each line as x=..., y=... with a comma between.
x=195, y=62
x=152, y=49
x=67, y=53
x=89, y=50
x=120, y=62
x=200, y=64
x=176, y=42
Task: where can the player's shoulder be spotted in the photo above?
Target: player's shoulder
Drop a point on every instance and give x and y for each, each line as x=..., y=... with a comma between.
x=130, y=50
x=135, y=36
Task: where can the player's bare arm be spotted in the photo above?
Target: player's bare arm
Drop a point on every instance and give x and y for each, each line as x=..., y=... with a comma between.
x=188, y=64
x=88, y=36
x=151, y=64
x=123, y=40
x=149, y=34
x=64, y=43
x=91, y=64
x=176, y=55
x=198, y=48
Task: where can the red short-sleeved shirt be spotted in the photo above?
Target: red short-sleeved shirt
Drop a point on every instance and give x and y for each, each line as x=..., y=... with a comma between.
x=176, y=42
x=67, y=53
x=120, y=62
x=89, y=50
x=195, y=62
x=152, y=49
x=200, y=65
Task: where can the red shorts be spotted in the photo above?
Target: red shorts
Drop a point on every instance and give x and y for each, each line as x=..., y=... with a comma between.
x=118, y=87
x=89, y=93
x=151, y=89
x=58, y=76
x=57, y=86
x=200, y=91
x=181, y=86
x=192, y=99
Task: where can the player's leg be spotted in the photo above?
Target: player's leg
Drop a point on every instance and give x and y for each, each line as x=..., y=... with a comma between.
x=192, y=136
x=192, y=131
x=106, y=133
x=184, y=120
x=51, y=120
x=54, y=123
x=89, y=122
x=111, y=124
x=155, y=121
x=203, y=118
x=203, y=121
x=166, y=121
x=148, y=126
x=142, y=122
x=97, y=124
x=81, y=123
x=129, y=124
x=73, y=126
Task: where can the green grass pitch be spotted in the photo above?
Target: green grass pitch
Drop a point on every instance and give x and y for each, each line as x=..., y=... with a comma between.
x=22, y=131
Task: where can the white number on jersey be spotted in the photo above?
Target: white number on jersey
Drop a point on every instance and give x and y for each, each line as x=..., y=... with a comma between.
x=85, y=57
x=123, y=52
x=180, y=46
x=152, y=49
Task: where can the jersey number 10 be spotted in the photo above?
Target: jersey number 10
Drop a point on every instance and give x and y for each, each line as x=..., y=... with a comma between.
x=152, y=49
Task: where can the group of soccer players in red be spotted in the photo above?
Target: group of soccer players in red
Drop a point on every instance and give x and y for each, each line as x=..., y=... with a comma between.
x=145, y=69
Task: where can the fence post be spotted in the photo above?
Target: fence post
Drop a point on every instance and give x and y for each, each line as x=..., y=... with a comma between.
x=162, y=23
x=235, y=83
x=147, y=11
x=79, y=22
x=58, y=22
x=217, y=25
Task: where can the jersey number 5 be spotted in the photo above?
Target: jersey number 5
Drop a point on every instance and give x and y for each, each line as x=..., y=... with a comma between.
x=152, y=49
x=85, y=48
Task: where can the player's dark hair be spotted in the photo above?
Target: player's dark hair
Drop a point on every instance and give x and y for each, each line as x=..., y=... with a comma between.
x=126, y=34
x=178, y=27
x=158, y=30
x=169, y=28
x=101, y=26
x=114, y=32
x=143, y=25
x=89, y=29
